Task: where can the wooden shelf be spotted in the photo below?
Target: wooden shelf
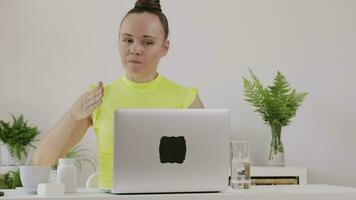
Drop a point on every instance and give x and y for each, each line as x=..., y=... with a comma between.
x=279, y=175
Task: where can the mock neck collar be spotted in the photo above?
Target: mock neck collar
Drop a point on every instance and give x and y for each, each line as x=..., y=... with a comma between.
x=142, y=87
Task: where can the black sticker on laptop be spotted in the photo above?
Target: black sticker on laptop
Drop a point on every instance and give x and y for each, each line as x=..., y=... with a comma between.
x=172, y=149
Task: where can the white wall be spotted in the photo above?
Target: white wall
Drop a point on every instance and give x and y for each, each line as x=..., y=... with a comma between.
x=51, y=50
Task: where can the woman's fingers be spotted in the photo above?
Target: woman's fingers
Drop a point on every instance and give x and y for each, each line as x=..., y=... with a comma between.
x=100, y=84
x=95, y=93
x=99, y=89
x=92, y=107
x=89, y=101
x=94, y=98
x=93, y=101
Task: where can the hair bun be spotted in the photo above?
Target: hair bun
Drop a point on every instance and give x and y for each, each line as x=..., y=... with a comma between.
x=148, y=5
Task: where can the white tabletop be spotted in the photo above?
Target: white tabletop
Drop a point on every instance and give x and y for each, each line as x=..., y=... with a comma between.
x=285, y=192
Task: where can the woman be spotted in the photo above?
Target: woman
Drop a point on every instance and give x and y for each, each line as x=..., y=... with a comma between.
x=142, y=43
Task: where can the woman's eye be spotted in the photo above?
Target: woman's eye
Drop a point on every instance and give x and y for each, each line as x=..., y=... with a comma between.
x=147, y=43
x=128, y=40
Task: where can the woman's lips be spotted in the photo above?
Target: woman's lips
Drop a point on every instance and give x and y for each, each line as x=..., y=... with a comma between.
x=135, y=62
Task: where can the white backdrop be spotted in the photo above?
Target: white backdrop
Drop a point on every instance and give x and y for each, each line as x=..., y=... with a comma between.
x=51, y=50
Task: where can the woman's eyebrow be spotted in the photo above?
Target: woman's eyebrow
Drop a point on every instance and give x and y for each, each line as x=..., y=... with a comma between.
x=126, y=34
x=144, y=36
x=149, y=36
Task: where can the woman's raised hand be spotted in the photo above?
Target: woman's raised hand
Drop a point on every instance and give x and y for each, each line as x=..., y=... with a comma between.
x=88, y=102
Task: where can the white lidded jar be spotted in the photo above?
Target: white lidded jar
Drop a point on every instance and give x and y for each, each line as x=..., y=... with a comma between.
x=67, y=174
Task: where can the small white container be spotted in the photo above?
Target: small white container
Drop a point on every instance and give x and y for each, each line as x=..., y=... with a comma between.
x=67, y=174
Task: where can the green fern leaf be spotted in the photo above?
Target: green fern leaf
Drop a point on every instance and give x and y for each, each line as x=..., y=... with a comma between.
x=276, y=104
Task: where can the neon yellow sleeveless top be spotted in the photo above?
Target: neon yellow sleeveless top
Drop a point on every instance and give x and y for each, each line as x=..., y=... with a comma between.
x=123, y=93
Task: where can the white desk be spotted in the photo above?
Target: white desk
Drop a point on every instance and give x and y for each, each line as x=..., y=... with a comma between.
x=281, y=192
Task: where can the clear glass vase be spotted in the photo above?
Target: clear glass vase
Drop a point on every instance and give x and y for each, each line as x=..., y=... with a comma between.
x=276, y=154
x=7, y=159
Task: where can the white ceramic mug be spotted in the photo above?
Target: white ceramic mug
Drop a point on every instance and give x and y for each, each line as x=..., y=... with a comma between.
x=31, y=176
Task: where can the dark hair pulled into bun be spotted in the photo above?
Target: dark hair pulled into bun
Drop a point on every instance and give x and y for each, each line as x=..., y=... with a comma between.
x=153, y=5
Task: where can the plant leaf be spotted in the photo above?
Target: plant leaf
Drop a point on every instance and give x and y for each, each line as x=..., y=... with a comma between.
x=277, y=104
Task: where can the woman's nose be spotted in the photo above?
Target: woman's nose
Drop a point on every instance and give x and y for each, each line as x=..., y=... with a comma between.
x=135, y=49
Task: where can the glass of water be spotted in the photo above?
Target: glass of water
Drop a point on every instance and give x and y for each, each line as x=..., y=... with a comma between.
x=240, y=165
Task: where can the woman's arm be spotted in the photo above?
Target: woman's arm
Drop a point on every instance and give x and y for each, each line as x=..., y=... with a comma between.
x=55, y=142
x=69, y=130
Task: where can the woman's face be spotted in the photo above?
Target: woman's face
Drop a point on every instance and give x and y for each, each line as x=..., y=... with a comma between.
x=141, y=45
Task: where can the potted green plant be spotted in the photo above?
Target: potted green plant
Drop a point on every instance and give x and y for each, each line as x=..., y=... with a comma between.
x=10, y=180
x=16, y=138
x=277, y=104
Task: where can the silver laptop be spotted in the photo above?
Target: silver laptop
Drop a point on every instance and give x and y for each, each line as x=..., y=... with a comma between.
x=171, y=150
